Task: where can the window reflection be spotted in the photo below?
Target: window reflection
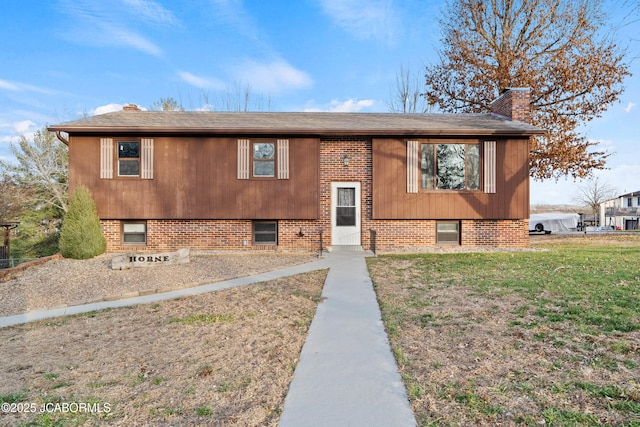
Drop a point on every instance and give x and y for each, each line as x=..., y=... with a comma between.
x=450, y=166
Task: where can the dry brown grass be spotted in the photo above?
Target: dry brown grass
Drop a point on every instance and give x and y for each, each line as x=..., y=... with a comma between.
x=506, y=352
x=224, y=358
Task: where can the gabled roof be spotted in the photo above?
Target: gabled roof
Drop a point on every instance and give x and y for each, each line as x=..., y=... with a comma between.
x=316, y=124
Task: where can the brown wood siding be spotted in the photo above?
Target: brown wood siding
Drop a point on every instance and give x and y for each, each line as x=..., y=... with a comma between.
x=196, y=178
x=391, y=200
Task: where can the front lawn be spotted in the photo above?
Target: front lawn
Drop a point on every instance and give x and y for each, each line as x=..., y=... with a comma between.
x=518, y=338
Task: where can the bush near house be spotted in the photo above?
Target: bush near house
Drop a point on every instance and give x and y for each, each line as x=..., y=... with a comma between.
x=81, y=235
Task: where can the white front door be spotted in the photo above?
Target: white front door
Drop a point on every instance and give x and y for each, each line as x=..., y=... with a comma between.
x=345, y=214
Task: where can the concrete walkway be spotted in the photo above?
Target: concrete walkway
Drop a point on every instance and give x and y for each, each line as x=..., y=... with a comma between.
x=145, y=299
x=346, y=375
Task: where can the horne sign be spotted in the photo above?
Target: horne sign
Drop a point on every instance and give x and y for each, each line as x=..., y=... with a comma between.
x=129, y=260
x=155, y=258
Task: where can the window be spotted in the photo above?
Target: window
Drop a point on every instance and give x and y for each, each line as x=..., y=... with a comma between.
x=134, y=159
x=448, y=233
x=264, y=159
x=629, y=202
x=450, y=166
x=134, y=233
x=346, y=207
x=128, y=158
x=265, y=232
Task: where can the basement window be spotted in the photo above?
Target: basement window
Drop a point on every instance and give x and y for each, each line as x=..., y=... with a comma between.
x=448, y=233
x=265, y=232
x=134, y=233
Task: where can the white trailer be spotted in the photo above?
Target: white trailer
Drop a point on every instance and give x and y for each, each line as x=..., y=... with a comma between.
x=548, y=222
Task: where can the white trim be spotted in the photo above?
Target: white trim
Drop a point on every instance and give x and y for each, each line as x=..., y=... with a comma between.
x=413, y=169
x=106, y=158
x=146, y=158
x=243, y=159
x=489, y=166
x=346, y=235
x=283, y=159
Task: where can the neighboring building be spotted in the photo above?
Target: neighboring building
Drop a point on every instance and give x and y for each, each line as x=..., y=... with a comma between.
x=621, y=213
x=164, y=180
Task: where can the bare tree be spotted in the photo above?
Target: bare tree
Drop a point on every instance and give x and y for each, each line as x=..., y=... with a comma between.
x=593, y=194
x=166, y=104
x=42, y=170
x=558, y=48
x=406, y=96
x=238, y=97
x=10, y=203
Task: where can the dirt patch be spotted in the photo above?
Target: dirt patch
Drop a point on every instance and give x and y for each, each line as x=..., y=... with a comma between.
x=224, y=358
x=73, y=282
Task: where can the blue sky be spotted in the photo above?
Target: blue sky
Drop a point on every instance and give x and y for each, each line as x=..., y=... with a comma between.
x=65, y=58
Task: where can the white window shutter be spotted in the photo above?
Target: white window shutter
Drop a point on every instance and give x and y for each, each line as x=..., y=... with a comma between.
x=489, y=166
x=106, y=158
x=146, y=158
x=283, y=159
x=243, y=159
x=413, y=169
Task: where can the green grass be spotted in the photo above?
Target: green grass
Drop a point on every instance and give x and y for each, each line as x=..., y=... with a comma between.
x=13, y=397
x=572, y=309
x=201, y=319
x=204, y=411
x=592, y=287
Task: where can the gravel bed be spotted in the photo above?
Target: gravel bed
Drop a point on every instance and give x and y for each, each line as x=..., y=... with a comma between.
x=69, y=282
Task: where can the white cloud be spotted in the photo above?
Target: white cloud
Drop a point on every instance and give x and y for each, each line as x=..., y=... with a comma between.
x=123, y=37
x=232, y=12
x=9, y=86
x=364, y=19
x=110, y=23
x=624, y=177
x=108, y=108
x=272, y=77
x=7, y=139
x=606, y=145
x=201, y=82
x=24, y=126
x=629, y=107
x=23, y=87
x=348, y=106
x=152, y=12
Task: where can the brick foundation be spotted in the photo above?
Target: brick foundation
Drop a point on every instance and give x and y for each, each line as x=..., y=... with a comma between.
x=499, y=233
x=231, y=235
x=304, y=236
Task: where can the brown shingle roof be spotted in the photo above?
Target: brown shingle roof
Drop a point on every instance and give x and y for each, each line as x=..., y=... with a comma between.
x=195, y=122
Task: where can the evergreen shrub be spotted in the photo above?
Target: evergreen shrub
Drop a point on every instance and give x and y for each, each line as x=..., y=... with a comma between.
x=81, y=234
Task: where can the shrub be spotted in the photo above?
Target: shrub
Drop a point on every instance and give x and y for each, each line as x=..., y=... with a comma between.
x=81, y=235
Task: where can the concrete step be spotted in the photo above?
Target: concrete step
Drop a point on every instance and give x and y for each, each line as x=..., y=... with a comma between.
x=345, y=248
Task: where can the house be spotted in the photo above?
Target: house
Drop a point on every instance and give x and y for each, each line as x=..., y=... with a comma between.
x=621, y=213
x=238, y=181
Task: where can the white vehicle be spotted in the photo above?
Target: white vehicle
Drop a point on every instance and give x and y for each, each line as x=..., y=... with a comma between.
x=549, y=222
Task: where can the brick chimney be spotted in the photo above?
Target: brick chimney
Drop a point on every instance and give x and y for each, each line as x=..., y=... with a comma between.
x=131, y=107
x=513, y=104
